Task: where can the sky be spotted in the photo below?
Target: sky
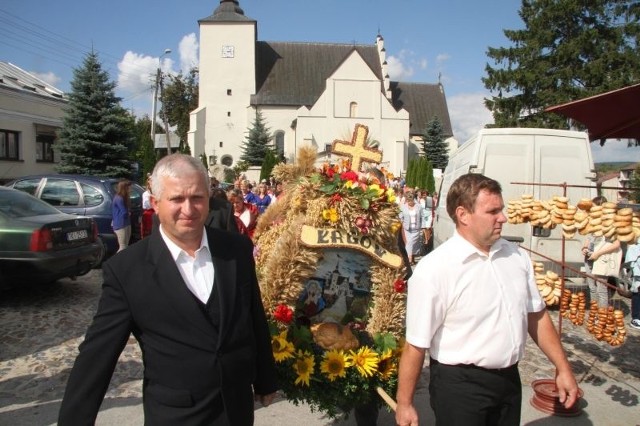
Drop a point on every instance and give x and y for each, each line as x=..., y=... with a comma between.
x=426, y=41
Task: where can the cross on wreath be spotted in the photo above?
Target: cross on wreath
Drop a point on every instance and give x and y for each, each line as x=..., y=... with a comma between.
x=357, y=149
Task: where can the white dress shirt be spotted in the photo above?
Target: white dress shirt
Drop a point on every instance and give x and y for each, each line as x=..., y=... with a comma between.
x=197, y=272
x=470, y=308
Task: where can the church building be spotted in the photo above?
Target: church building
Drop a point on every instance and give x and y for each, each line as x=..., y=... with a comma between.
x=307, y=94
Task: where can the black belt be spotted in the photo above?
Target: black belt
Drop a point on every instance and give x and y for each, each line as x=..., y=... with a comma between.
x=491, y=370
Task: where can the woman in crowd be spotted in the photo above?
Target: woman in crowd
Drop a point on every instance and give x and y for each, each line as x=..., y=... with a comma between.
x=121, y=216
x=262, y=199
x=411, y=215
x=603, y=257
x=246, y=214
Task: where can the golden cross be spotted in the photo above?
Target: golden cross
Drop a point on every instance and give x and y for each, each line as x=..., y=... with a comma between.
x=357, y=149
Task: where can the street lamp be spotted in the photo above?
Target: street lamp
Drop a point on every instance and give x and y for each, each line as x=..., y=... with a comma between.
x=155, y=103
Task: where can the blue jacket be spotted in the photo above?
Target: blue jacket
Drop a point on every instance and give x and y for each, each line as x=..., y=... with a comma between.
x=119, y=213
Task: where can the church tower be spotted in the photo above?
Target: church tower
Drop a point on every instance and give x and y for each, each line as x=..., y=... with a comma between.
x=227, y=59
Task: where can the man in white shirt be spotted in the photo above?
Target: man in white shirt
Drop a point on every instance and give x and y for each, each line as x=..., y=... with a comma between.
x=471, y=303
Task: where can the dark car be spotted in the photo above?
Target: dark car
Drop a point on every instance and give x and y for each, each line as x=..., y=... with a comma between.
x=86, y=196
x=38, y=243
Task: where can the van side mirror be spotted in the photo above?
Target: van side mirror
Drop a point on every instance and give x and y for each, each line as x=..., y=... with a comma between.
x=539, y=231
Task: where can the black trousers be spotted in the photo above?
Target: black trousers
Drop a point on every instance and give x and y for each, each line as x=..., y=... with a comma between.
x=467, y=395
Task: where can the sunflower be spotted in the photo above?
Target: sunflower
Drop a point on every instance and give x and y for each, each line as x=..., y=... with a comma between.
x=303, y=366
x=281, y=347
x=334, y=364
x=387, y=365
x=365, y=360
x=330, y=215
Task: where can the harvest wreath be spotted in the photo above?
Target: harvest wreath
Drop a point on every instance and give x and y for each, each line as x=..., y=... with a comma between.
x=332, y=283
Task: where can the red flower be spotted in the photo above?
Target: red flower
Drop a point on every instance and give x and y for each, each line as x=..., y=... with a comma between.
x=330, y=172
x=283, y=313
x=335, y=198
x=400, y=285
x=349, y=175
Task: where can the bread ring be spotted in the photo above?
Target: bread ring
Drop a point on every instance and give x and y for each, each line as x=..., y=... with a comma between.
x=585, y=204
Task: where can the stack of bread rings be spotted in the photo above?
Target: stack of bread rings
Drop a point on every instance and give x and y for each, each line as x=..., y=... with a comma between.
x=549, y=284
x=607, y=324
x=584, y=218
x=573, y=306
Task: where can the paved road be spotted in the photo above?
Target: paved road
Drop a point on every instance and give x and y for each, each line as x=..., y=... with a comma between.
x=42, y=327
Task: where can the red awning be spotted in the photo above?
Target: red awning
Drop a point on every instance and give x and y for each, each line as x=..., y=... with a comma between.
x=610, y=115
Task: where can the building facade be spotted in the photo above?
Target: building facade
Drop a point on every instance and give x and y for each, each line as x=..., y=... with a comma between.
x=307, y=94
x=31, y=112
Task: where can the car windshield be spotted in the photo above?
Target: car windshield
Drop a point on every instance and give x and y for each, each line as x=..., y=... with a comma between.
x=17, y=204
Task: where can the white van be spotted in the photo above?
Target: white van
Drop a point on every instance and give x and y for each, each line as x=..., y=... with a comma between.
x=518, y=158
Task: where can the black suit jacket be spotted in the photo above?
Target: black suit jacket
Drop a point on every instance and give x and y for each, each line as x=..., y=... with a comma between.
x=185, y=365
x=221, y=215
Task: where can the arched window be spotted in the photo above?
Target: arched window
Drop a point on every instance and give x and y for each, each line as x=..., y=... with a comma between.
x=279, y=138
x=227, y=160
x=353, y=109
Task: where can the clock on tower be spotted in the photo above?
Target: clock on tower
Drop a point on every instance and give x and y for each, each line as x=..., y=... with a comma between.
x=227, y=51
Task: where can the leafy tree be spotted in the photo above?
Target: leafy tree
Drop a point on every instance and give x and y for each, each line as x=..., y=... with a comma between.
x=203, y=158
x=145, y=153
x=257, y=143
x=180, y=97
x=434, y=146
x=635, y=184
x=568, y=50
x=97, y=133
x=239, y=168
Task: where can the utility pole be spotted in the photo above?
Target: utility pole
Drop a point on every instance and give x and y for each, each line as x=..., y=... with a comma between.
x=164, y=118
x=154, y=104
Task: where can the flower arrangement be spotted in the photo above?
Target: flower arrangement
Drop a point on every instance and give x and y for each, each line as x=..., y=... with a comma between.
x=332, y=366
x=334, y=380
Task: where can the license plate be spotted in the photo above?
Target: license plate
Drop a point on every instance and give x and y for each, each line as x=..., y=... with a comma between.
x=77, y=235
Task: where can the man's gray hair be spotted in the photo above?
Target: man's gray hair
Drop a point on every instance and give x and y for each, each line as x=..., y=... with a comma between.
x=174, y=166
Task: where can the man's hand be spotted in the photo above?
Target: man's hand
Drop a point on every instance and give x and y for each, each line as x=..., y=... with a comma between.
x=265, y=400
x=567, y=389
x=406, y=415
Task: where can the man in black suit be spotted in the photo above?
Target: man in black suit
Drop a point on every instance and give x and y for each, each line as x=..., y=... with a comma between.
x=190, y=296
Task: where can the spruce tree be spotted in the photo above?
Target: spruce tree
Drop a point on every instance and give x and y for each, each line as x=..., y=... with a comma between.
x=97, y=133
x=434, y=147
x=257, y=143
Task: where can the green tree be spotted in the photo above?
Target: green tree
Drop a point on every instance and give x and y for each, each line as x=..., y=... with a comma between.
x=635, y=184
x=203, y=158
x=180, y=97
x=270, y=160
x=257, y=143
x=420, y=174
x=568, y=50
x=97, y=133
x=434, y=146
x=239, y=168
x=145, y=153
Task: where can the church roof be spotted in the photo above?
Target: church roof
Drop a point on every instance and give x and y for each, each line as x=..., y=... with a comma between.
x=423, y=102
x=295, y=73
x=290, y=73
x=227, y=11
